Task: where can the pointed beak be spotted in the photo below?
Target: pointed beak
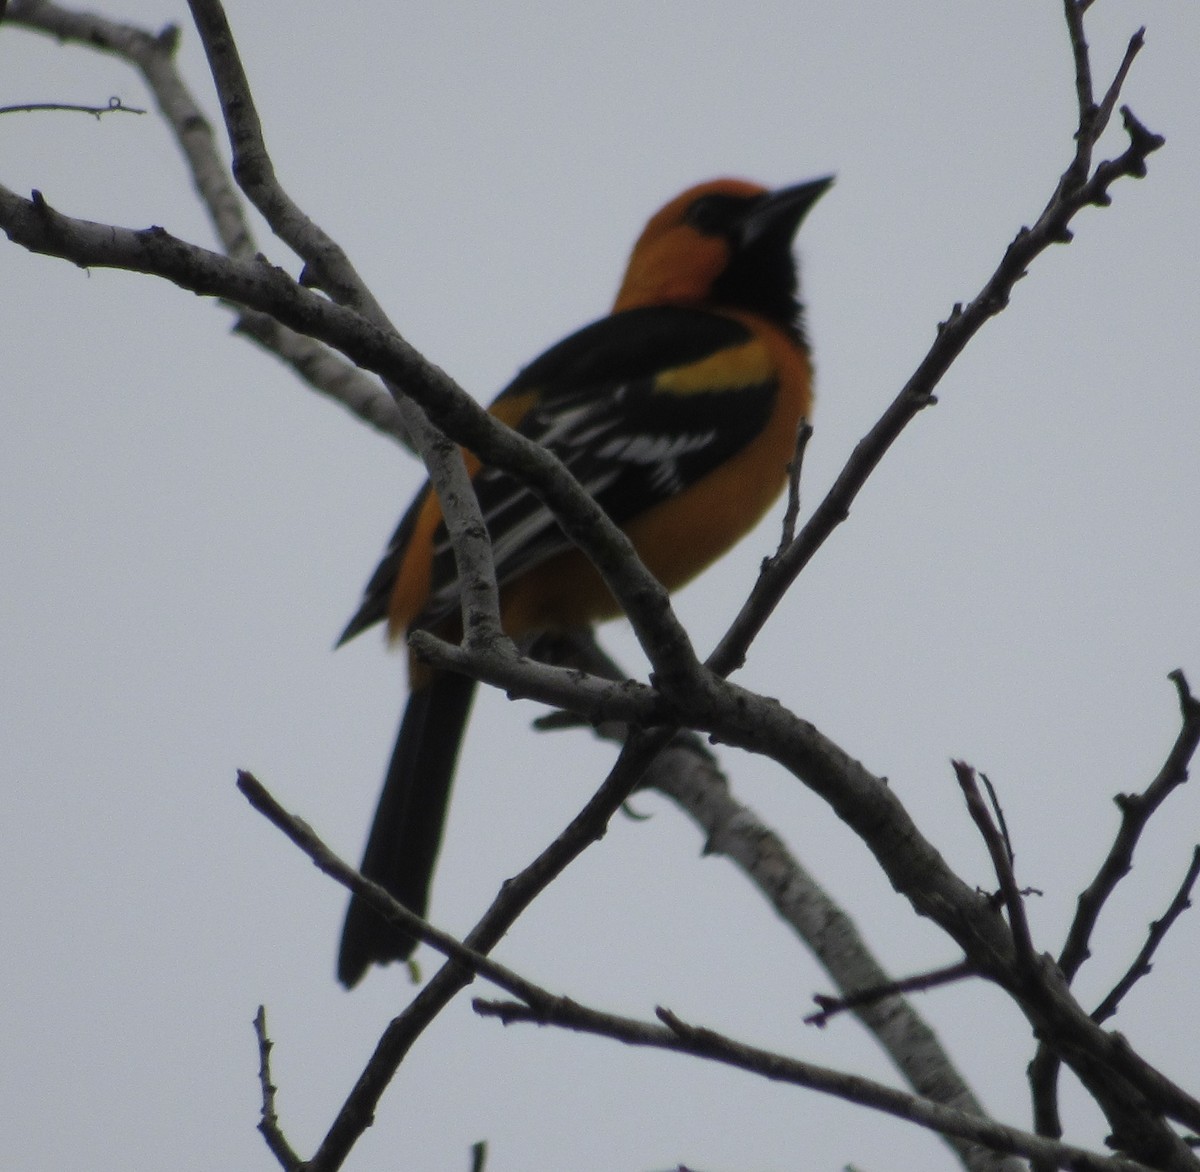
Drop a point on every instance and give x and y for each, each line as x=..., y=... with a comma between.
x=778, y=214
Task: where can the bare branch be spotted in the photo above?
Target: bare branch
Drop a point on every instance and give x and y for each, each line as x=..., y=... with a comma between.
x=830, y=1007
x=358, y=1111
x=680, y=1037
x=154, y=58
x=269, y=1122
x=642, y=597
x=259, y=285
x=302, y=835
x=466, y=957
x=1002, y=858
x=539, y=1005
x=792, y=512
x=113, y=106
x=1136, y=812
x=1158, y=931
x=1085, y=101
x=1075, y=190
x=688, y=774
x=328, y=267
x=1108, y=104
x=918, y=872
x=326, y=371
x=1043, y=1074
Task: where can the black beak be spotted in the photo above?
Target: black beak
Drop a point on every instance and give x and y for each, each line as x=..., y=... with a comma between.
x=778, y=214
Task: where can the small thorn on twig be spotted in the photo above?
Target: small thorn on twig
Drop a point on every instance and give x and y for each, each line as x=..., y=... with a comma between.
x=955, y=314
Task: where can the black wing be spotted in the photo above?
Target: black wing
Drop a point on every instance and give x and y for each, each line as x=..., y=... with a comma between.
x=606, y=407
x=638, y=406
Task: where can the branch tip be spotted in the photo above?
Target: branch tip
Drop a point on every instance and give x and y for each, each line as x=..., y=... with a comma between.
x=168, y=37
x=1188, y=704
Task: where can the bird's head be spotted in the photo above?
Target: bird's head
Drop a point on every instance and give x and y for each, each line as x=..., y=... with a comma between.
x=725, y=243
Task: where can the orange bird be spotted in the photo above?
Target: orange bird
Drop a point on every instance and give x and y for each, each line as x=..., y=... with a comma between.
x=678, y=412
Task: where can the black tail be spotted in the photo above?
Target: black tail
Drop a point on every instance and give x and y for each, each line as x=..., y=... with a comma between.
x=407, y=831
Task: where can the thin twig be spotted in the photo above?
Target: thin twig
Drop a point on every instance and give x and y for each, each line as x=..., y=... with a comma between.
x=1075, y=190
x=469, y=956
x=303, y=836
x=328, y=267
x=643, y=598
x=153, y=55
x=358, y=1110
x=539, y=1005
x=1002, y=859
x=269, y=1122
x=115, y=105
x=830, y=1007
x=1158, y=930
x=795, y=466
x=1136, y=811
x=678, y=1036
x=688, y=773
x=998, y=813
x=1109, y=102
x=1085, y=101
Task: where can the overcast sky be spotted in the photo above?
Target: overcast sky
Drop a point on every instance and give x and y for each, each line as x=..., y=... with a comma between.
x=184, y=530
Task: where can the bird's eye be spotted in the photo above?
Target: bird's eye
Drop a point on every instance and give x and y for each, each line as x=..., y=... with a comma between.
x=714, y=214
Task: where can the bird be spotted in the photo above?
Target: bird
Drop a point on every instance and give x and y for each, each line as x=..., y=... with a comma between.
x=678, y=412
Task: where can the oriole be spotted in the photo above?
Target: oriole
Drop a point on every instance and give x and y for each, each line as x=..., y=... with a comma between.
x=678, y=412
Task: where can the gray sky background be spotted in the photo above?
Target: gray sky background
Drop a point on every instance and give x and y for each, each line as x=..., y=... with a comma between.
x=183, y=531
